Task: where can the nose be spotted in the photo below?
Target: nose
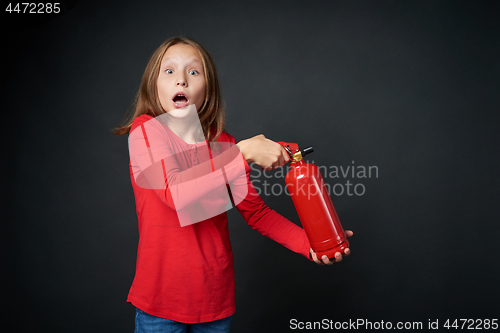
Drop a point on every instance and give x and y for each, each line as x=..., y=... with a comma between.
x=181, y=81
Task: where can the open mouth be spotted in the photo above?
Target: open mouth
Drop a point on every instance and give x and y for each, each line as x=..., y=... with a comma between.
x=180, y=100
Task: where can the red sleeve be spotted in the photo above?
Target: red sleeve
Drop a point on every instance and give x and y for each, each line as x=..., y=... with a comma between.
x=271, y=224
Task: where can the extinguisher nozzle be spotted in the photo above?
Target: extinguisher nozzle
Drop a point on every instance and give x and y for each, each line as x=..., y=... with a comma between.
x=307, y=150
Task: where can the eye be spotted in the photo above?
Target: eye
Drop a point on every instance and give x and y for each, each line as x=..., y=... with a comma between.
x=193, y=72
x=169, y=71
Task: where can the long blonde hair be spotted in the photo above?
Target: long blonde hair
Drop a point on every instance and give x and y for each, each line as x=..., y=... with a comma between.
x=211, y=112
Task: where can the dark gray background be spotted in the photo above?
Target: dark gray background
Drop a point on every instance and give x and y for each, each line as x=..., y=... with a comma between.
x=410, y=87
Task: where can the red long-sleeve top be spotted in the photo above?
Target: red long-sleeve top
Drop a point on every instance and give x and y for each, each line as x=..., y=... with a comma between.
x=186, y=273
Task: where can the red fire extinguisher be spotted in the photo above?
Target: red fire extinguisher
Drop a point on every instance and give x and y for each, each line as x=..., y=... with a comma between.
x=313, y=204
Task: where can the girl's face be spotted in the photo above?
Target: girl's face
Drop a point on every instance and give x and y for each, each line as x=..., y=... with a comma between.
x=181, y=81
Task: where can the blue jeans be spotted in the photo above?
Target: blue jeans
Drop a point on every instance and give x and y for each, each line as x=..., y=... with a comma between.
x=146, y=323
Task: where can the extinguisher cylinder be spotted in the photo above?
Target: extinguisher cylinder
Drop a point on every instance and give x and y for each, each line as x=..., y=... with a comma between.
x=315, y=208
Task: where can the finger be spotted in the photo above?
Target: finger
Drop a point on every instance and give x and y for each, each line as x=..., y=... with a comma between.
x=285, y=155
x=349, y=233
x=315, y=258
x=326, y=261
x=347, y=251
x=281, y=161
x=338, y=257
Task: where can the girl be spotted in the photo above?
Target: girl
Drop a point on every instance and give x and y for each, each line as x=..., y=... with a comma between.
x=184, y=279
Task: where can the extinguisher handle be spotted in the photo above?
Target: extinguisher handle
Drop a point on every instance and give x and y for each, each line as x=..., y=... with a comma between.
x=292, y=148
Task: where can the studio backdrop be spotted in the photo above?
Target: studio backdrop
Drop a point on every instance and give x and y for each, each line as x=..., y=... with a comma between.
x=398, y=99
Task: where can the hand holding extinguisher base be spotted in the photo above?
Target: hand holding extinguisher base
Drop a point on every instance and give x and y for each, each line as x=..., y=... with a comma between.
x=325, y=260
x=331, y=252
